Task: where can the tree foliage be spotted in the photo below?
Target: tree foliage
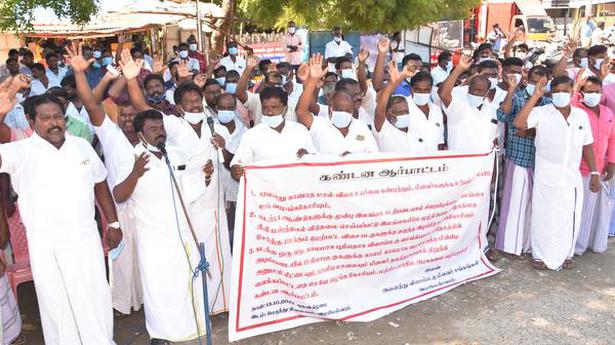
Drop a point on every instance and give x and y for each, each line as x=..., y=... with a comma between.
x=362, y=15
x=17, y=15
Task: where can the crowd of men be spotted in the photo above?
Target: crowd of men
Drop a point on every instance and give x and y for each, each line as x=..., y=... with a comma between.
x=165, y=171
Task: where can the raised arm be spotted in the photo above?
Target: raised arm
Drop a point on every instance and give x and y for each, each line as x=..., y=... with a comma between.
x=131, y=69
x=521, y=118
x=362, y=71
x=80, y=65
x=103, y=85
x=378, y=79
x=560, y=67
x=446, y=90
x=383, y=96
x=316, y=72
x=8, y=90
x=510, y=41
x=506, y=106
x=242, y=84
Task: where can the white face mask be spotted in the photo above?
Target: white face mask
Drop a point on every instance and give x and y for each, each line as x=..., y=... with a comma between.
x=517, y=78
x=592, y=99
x=483, y=59
x=183, y=54
x=475, y=101
x=273, y=121
x=561, y=99
x=609, y=79
x=421, y=99
x=521, y=55
x=226, y=116
x=449, y=66
x=402, y=121
x=20, y=97
x=341, y=119
x=598, y=63
x=147, y=145
x=194, y=118
x=348, y=73
x=494, y=82
x=193, y=47
x=337, y=39
x=291, y=30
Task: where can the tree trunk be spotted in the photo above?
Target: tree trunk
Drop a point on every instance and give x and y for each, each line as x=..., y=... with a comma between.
x=224, y=25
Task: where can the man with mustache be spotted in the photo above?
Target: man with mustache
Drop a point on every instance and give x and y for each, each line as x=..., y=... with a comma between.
x=59, y=178
x=155, y=93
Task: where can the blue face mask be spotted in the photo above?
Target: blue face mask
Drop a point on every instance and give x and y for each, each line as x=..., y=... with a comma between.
x=221, y=81
x=530, y=88
x=107, y=61
x=225, y=116
x=233, y=51
x=156, y=100
x=96, y=64
x=231, y=88
x=584, y=63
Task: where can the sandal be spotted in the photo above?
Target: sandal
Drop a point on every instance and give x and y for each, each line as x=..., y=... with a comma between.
x=491, y=255
x=20, y=340
x=539, y=265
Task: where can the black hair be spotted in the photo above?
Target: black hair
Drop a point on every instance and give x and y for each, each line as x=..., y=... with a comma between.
x=594, y=79
x=270, y=92
x=394, y=100
x=69, y=80
x=38, y=66
x=343, y=83
x=272, y=74
x=226, y=95
x=140, y=117
x=597, y=49
x=411, y=56
x=233, y=73
x=487, y=65
x=523, y=45
x=221, y=68
x=51, y=55
x=538, y=70
x=57, y=91
x=484, y=46
x=341, y=60
x=283, y=65
x=151, y=77
x=135, y=50
x=577, y=52
x=422, y=76
x=263, y=64
x=28, y=53
x=512, y=61
x=561, y=79
x=330, y=74
x=33, y=102
x=336, y=28
x=444, y=55
x=13, y=51
x=183, y=45
x=183, y=89
x=210, y=81
x=9, y=60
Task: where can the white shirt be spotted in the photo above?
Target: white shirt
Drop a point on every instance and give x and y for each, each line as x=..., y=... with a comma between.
x=55, y=187
x=559, y=144
x=71, y=110
x=469, y=128
x=116, y=147
x=334, y=49
x=439, y=75
x=431, y=128
x=415, y=140
x=56, y=79
x=253, y=104
x=364, y=116
x=37, y=88
x=262, y=142
x=239, y=65
x=230, y=185
x=329, y=140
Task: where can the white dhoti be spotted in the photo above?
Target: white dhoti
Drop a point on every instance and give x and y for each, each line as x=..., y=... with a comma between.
x=126, y=290
x=595, y=219
x=555, y=222
x=73, y=295
x=211, y=228
x=513, y=234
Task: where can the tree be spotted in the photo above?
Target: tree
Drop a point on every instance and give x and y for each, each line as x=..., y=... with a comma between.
x=17, y=15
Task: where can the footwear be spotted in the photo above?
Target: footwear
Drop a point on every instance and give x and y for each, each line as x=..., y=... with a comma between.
x=568, y=264
x=539, y=265
x=158, y=342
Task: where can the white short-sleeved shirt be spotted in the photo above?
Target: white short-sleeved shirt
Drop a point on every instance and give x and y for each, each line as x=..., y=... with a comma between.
x=369, y=102
x=439, y=75
x=116, y=148
x=329, y=140
x=559, y=144
x=230, y=185
x=431, y=127
x=37, y=88
x=418, y=139
x=254, y=106
x=364, y=116
x=334, y=49
x=56, y=79
x=262, y=142
x=469, y=128
x=55, y=187
x=239, y=65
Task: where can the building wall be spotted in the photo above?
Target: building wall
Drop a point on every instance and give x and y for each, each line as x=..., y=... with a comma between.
x=7, y=42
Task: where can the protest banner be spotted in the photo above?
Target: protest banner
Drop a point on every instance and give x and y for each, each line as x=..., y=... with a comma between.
x=355, y=238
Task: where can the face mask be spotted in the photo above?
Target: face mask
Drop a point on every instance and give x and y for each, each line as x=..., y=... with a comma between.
x=96, y=64
x=592, y=99
x=530, y=88
x=348, y=73
x=548, y=87
x=273, y=121
x=97, y=54
x=421, y=98
x=483, y=59
x=291, y=30
x=147, y=145
x=598, y=63
x=517, y=78
x=609, y=79
x=584, y=63
x=233, y=50
x=284, y=80
x=449, y=66
x=183, y=54
x=156, y=100
x=221, y=80
x=561, y=99
x=106, y=61
x=231, y=88
x=402, y=121
x=337, y=39
x=475, y=101
x=194, y=118
x=193, y=47
x=341, y=119
x=494, y=82
x=226, y=116
x=521, y=55
x=20, y=97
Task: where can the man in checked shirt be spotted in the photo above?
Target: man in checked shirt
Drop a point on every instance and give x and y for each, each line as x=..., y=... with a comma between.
x=513, y=229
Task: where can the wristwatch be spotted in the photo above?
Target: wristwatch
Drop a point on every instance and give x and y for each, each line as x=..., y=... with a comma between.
x=114, y=225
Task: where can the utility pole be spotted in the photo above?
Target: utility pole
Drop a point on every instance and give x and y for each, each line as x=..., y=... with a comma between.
x=199, y=30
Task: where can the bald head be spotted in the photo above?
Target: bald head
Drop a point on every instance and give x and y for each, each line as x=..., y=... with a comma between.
x=480, y=85
x=226, y=101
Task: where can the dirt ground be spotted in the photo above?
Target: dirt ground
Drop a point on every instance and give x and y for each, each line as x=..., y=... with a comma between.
x=517, y=306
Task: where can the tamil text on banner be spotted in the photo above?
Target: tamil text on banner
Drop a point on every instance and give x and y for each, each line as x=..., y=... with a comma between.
x=355, y=238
